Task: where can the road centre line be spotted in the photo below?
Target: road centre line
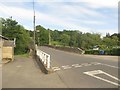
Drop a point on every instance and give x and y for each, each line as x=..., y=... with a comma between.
x=86, y=64
x=66, y=67
x=81, y=65
x=56, y=68
x=74, y=65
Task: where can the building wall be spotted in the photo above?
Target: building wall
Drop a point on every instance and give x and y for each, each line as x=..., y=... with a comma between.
x=0, y=50
x=8, y=53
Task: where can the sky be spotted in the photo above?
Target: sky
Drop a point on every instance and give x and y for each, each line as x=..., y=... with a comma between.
x=94, y=16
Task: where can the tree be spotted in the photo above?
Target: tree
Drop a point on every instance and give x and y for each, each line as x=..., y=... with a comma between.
x=65, y=39
x=42, y=35
x=11, y=29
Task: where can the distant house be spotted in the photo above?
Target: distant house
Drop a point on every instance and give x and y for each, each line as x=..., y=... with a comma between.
x=7, y=48
x=96, y=47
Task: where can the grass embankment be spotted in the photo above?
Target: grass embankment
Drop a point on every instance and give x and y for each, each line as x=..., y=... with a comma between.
x=26, y=55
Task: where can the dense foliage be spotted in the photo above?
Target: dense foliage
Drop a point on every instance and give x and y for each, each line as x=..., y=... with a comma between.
x=75, y=38
x=69, y=38
x=11, y=29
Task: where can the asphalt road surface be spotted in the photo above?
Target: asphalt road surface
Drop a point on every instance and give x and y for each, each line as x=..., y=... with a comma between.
x=70, y=71
x=82, y=71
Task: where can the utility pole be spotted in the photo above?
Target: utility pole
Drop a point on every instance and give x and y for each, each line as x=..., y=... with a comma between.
x=49, y=37
x=34, y=21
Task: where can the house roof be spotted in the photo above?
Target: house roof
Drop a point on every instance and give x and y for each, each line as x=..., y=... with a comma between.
x=4, y=37
x=8, y=43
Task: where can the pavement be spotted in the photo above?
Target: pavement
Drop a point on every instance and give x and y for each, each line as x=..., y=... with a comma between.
x=25, y=73
x=70, y=71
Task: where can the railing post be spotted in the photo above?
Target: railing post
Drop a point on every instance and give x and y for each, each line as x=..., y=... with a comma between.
x=44, y=57
x=48, y=62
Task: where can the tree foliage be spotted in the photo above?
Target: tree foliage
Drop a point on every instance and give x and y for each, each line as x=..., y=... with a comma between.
x=75, y=38
x=71, y=38
x=11, y=29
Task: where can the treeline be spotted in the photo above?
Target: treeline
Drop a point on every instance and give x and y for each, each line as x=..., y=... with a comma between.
x=68, y=38
x=11, y=29
x=75, y=38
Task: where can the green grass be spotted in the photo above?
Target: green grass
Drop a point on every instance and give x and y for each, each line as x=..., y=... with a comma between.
x=23, y=55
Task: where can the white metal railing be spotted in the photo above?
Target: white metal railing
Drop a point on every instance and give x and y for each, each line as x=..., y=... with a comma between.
x=44, y=57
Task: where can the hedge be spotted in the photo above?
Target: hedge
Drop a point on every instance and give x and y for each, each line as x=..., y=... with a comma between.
x=95, y=52
x=114, y=51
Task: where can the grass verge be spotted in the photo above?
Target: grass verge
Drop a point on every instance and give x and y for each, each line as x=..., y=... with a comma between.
x=23, y=55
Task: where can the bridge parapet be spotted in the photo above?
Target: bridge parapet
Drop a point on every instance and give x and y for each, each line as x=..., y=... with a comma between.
x=44, y=57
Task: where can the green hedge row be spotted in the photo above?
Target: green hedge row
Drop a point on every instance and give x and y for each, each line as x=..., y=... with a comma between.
x=95, y=52
x=114, y=51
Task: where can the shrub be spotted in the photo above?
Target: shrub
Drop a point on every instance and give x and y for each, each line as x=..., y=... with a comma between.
x=95, y=52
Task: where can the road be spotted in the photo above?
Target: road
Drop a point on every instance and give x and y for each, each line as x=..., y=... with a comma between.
x=71, y=71
x=82, y=71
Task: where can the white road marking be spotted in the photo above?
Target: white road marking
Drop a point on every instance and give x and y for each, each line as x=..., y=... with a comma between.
x=95, y=72
x=95, y=63
x=66, y=67
x=86, y=64
x=110, y=66
x=56, y=68
x=81, y=65
x=76, y=65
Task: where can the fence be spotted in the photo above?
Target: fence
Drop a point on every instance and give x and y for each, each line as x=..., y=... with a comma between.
x=44, y=57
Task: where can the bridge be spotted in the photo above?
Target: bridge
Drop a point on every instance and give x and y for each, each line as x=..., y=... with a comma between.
x=83, y=71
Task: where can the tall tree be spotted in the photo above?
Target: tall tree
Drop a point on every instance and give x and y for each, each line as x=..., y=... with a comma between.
x=12, y=29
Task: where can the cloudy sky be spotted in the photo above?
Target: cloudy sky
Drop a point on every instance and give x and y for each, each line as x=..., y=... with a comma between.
x=99, y=16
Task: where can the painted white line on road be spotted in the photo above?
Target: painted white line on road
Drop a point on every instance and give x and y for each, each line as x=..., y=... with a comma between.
x=81, y=65
x=86, y=64
x=96, y=63
x=95, y=72
x=66, y=67
x=110, y=66
x=56, y=68
x=76, y=65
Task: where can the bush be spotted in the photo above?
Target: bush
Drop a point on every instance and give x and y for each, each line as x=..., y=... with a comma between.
x=95, y=52
x=114, y=51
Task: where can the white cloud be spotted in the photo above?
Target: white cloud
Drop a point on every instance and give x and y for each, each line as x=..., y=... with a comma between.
x=93, y=22
x=93, y=3
x=102, y=3
x=23, y=15
x=104, y=31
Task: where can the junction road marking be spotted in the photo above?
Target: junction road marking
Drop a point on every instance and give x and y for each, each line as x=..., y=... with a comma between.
x=81, y=65
x=96, y=63
x=110, y=66
x=76, y=65
x=86, y=64
x=96, y=72
x=56, y=68
x=66, y=67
